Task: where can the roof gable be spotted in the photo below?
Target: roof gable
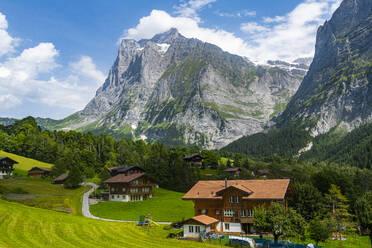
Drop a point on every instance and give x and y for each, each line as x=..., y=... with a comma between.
x=274, y=189
x=8, y=159
x=241, y=188
x=203, y=219
x=122, y=178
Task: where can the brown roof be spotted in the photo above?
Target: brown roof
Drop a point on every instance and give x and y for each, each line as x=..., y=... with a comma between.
x=61, y=177
x=261, y=189
x=233, y=169
x=122, y=178
x=40, y=168
x=204, y=219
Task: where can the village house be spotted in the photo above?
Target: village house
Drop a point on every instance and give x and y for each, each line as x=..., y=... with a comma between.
x=6, y=166
x=233, y=171
x=129, y=184
x=195, y=158
x=125, y=170
x=39, y=172
x=231, y=202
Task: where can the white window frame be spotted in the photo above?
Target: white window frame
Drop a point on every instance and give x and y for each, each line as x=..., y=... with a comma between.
x=229, y=213
x=191, y=229
x=197, y=229
x=250, y=212
x=243, y=213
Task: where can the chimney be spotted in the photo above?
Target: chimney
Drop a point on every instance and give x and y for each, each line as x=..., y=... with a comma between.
x=225, y=182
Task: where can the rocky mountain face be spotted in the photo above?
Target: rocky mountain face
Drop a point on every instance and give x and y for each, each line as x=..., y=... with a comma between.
x=184, y=91
x=337, y=90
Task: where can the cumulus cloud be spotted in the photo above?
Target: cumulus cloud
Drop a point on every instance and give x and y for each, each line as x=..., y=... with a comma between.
x=27, y=77
x=282, y=37
x=7, y=43
x=86, y=68
x=252, y=28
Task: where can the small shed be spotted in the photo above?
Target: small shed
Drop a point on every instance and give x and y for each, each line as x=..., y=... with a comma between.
x=61, y=179
x=233, y=171
x=201, y=224
x=39, y=172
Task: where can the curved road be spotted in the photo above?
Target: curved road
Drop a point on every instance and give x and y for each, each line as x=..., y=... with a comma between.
x=85, y=207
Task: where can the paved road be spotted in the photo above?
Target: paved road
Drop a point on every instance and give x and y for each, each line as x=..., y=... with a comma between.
x=85, y=208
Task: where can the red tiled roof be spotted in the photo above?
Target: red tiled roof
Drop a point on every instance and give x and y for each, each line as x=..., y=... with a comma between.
x=122, y=178
x=273, y=189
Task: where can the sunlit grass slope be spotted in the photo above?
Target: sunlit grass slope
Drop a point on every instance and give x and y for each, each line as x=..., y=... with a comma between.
x=24, y=163
x=23, y=226
x=165, y=206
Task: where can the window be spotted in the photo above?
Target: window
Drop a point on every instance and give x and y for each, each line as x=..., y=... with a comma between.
x=227, y=226
x=134, y=190
x=229, y=213
x=197, y=229
x=113, y=197
x=250, y=212
x=135, y=182
x=191, y=229
x=243, y=213
x=123, y=189
x=118, y=196
x=234, y=199
x=204, y=211
x=218, y=211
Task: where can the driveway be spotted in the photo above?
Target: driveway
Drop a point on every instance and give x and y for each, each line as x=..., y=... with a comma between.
x=85, y=207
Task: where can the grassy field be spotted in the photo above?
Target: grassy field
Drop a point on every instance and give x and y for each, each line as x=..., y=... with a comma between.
x=41, y=193
x=353, y=240
x=24, y=164
x=165, y=206
x=23, y=226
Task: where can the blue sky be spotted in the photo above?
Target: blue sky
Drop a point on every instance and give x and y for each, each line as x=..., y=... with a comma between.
x=55, y=54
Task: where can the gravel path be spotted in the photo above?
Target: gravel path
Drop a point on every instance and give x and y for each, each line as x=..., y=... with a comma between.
x=85, y=208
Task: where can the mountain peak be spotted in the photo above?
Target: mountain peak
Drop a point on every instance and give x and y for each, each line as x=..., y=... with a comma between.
x=168, y=36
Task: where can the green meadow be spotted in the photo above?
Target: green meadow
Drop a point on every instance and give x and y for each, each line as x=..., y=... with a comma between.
x=166, y=205
x=22, y=226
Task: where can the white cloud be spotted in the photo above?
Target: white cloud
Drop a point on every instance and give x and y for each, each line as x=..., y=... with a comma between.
x=86, y=68
x=274, y=19
x=8, y=101
x=286, y=37
x=189, y=9
x=7, y=43
x=243, y=13
x=252, y=28
x=27, y=77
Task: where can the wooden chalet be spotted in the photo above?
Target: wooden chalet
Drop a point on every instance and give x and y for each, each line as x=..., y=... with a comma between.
x=39, y=172
x=231, y=202
x=129, y=186
x=195, y=158
x=128, y=170
x=6, y=166
x=61, y=179
x=233, y=171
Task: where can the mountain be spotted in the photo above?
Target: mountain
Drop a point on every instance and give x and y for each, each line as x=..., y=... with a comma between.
x=185, y=91
x=7, y=121
x=334, y=98
x=337, y=89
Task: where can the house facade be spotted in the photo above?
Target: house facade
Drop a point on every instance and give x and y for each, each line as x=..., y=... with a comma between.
x=127, y=187
x=39, y=172
x=6, y=166
x=232, y=202
x=128, y=170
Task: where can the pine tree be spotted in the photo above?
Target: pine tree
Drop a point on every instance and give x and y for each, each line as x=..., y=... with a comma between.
x=338, y=206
